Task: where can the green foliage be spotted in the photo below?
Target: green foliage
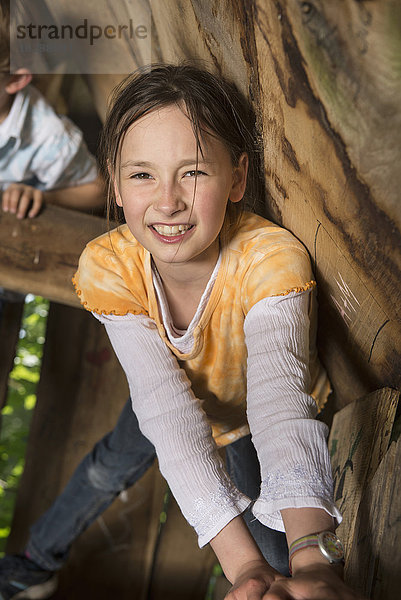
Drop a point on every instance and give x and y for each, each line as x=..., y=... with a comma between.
x=16, y=415
x=216, y=573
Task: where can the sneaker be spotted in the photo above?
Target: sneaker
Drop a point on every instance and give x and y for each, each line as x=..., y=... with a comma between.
x=22, y=578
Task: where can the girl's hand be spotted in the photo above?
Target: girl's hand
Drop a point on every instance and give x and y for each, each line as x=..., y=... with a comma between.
x=18, y=198
x=258, y=581
x=253, y=581
x=314, y=582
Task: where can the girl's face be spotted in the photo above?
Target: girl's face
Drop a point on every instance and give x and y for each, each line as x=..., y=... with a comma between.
x=155, y=186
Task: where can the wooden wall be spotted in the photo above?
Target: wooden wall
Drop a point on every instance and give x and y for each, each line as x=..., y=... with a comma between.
x=325, y=81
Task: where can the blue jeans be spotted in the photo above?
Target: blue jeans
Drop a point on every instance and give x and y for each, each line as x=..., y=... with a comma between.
x=116, y=462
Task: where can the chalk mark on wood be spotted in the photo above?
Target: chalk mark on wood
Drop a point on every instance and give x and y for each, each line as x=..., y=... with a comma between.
x=349, y=265
x=346, y=305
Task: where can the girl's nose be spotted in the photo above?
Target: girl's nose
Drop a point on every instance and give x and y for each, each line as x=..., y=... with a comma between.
x=169, y=201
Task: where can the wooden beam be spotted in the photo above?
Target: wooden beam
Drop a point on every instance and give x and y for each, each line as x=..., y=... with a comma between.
x=374, y=567
x=179, y=559
x=358, y=441
x=39, y=256
x=10, y=324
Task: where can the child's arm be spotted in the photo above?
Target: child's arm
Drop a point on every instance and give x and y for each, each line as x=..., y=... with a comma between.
x=290, y=442
x=304, y=521
x=254, y=579
x=296, y=490
x=57, y=163
x=25, y=200
x=84, y=197
x=241, y=560
x=293, y=455
x=172, y=418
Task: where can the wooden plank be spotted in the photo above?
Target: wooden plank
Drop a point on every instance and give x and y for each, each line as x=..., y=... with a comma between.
x=10, y=324
x=374, y=566
x=182, y=570
x=80, y=395
x=114, y=557
x=352, y=57
x=39, y=256
x=358, y=442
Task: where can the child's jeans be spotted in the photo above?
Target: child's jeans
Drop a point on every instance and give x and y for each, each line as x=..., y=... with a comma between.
x=116, y=462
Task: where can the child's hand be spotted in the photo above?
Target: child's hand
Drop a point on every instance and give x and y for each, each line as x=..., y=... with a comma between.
x=315, y=582
x=18, y=198
x=254, y=581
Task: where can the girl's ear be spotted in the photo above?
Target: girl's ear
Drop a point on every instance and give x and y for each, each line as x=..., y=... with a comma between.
x=18, y=81
x=116, y=192
x=239, y=180
x=114, y=184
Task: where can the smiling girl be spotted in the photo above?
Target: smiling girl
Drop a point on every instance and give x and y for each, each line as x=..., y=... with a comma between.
x=210, y=310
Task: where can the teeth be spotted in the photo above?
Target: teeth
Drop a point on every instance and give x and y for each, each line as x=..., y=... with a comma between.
x=171, y=229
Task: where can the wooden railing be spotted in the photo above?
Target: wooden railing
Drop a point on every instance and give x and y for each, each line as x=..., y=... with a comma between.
x=39, y=256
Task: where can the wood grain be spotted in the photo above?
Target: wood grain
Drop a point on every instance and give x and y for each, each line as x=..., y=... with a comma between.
x=374, y=566
x=39, y=256
x=317, y=191
x=358, y=441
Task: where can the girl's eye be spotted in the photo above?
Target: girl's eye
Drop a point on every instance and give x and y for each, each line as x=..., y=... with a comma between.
x=194, y=173
x=140, y=176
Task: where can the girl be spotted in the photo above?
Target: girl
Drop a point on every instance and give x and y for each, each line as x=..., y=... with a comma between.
x=210, y=311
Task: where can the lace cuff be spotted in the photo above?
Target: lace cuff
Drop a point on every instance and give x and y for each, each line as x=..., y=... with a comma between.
x=227, y=503
x=299, y=488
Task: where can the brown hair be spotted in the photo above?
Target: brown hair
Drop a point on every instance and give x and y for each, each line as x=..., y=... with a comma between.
x=4, y=35
x=212, y=103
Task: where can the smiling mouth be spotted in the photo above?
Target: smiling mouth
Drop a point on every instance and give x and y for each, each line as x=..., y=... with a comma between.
x=171, y=230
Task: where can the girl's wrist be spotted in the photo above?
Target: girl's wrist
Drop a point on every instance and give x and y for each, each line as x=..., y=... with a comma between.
x=324, y=548
x=254, y=565
x=237, y=551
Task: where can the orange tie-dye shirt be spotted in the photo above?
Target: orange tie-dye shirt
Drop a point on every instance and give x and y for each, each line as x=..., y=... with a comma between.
x=262, y=260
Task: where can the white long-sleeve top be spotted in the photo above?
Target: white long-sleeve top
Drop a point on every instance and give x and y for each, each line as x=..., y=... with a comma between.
x=291, y=444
